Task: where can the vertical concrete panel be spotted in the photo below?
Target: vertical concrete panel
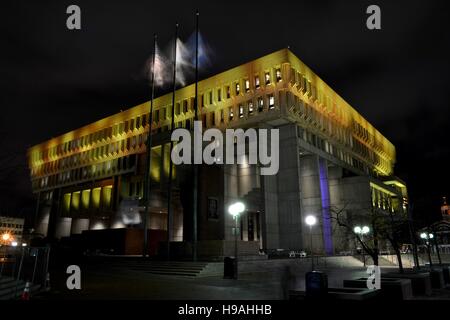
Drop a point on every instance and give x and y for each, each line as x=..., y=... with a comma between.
x=79, y=225
x=63, y=227
x=289, y=212
x=326, y=216
x=311, y=201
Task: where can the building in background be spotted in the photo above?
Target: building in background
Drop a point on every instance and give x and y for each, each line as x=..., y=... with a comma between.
x=330, y=158
x=11, y=229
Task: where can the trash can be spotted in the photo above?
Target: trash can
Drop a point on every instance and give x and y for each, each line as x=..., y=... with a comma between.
x=316, y=284
x=229, y=268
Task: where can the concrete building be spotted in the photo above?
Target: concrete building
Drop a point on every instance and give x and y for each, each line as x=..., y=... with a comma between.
x=11, y=229
x=331, y=158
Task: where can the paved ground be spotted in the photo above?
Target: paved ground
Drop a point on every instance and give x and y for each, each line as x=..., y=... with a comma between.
x=104, y=283
x=101, y=282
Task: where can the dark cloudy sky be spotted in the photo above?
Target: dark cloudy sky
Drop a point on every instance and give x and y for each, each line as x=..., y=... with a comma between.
x=54, y=80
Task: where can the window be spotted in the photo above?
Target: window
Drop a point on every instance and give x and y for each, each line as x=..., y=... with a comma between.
x=238, y=88
x=221, y=115
x=250, y=107
x=219, y=95
x=177, y=109
x=247, y=85
x=228, y=93
x=210, y=97
x=213, y=118
x=131, y=124
x=257, y=84
x=271, y=101
x=164, y=114
x=185, y=106
x=267, y=78
x=126, y=126
x=231, y=114
x=260, y=104
x=278, y=75
x=241, y=111
x=156, y=118
x=138, y=122
x=144, y=120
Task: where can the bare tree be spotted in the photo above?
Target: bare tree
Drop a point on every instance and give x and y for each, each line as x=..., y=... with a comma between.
x=385, y=224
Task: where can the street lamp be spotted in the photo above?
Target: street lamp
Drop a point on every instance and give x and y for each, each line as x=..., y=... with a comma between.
x=235, y=210
x=426, y=237
x=6, y=236
x=362, y=231
x=310, y=221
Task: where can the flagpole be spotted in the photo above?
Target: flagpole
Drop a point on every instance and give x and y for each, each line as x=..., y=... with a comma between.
x=195, y=180
x=172, y=127
x=147, y=183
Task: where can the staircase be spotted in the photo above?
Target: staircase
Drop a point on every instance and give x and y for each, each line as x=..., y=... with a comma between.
x=10, y=289
x=166, y=268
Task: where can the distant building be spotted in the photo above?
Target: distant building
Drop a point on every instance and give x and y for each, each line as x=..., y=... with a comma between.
x=91, y=178
x=12, y=227
x=445, y=209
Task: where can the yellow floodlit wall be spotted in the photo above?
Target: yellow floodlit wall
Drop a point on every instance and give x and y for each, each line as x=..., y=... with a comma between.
x=99, y=146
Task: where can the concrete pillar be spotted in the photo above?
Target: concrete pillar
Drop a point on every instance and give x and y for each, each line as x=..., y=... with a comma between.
x=231, y=194
x=311, y=201
x=79, y=225
x=63, y=227
x=289, y=213
x=270, y=228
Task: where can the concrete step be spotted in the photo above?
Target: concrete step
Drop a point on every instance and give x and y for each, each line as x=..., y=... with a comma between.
x=176, y=268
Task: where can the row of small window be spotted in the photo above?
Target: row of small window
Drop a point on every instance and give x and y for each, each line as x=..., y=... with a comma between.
x=12, y=232
x=11, y=225
x=92, y=155
x=381, y=200
x=159, y=114
x=220, y=94
x=87, y=172
x=362, y=132
x=329, y=148
x=139, y=140
x=320, y=120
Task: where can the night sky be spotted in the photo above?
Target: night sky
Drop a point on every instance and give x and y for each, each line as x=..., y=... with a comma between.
x=54, y=80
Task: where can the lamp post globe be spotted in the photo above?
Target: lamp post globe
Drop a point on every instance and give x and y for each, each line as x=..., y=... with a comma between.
x=357, y=230
x=235, y=209
x=311, y=220
x=365, y=229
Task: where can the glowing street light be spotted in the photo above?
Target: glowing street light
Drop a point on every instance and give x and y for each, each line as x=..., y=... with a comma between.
x=428, y=236
x=311, y=220
x=235, y=210
x=14, y=244
x=6, y=236
x=362, y=231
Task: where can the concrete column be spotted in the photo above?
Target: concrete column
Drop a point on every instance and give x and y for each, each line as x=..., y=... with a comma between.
x=311, y=201
x=231, y=194
x=270, y=229
x=289, y=214
x=79, y=225
x=63, y=227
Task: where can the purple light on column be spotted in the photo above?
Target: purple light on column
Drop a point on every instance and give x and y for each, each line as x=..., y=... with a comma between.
x=327, y=234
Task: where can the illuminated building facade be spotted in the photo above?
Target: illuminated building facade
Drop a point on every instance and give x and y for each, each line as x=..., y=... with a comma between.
x=11, y=229
x=330, y=157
